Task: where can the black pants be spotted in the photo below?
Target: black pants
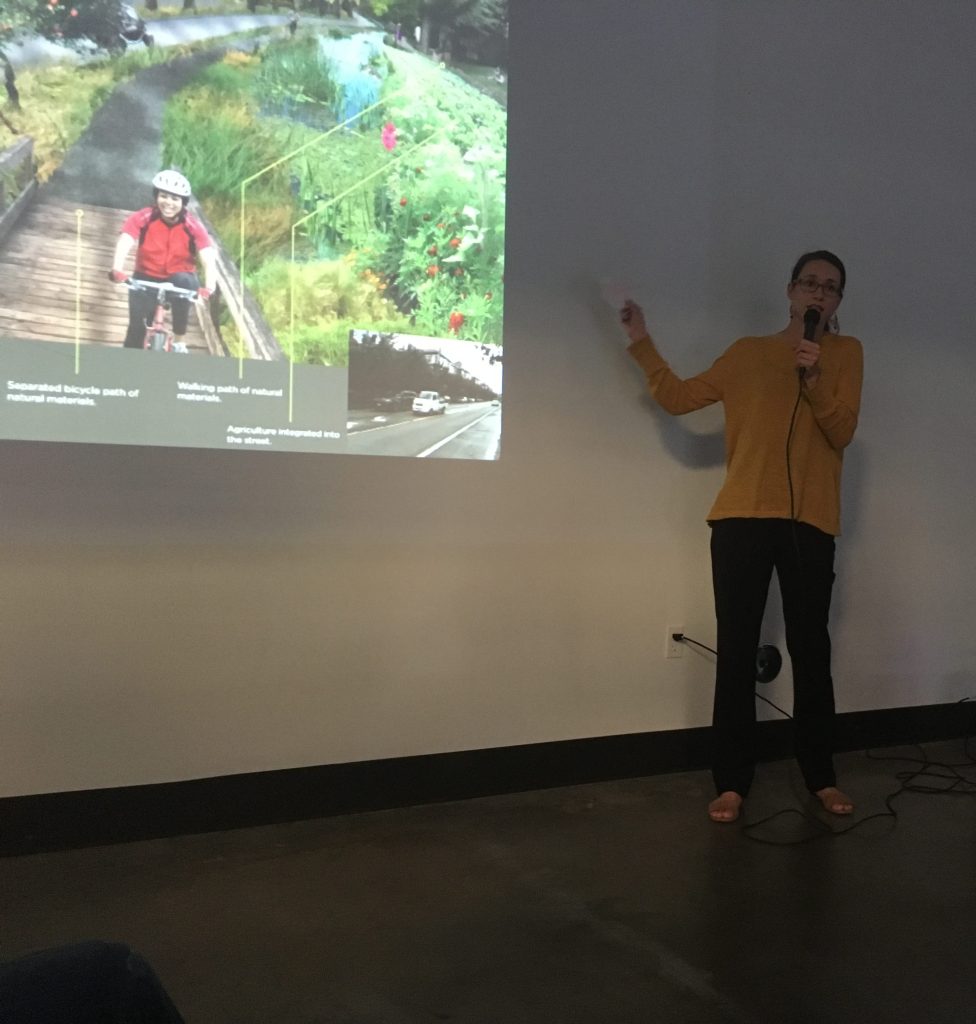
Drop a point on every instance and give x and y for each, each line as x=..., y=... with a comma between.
x=142, y=306
x=744, y=554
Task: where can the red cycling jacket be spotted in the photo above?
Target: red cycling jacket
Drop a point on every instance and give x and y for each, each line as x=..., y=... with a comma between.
x=165, y=249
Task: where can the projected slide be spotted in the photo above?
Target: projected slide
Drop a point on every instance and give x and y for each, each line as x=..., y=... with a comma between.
x=255, y=230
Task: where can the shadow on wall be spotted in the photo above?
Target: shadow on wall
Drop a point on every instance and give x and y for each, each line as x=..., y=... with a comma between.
x=691, y=448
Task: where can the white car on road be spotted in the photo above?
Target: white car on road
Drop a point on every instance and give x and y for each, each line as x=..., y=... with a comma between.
x=429, y=402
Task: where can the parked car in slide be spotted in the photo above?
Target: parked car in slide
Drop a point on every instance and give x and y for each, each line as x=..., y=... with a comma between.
x=395, y=403
x=429, y=402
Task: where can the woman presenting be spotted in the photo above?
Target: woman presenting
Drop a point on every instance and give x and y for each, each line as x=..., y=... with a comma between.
x=791, y=406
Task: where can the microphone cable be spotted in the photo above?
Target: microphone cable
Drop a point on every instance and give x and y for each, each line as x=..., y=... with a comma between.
x=789, y=470
x=810, y=320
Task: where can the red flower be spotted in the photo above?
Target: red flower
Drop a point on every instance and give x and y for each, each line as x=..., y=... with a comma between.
x=455, y=242
x=432, y=251
x=403, y=200
x=456, y=320
x=432, y=270
x=389, y=136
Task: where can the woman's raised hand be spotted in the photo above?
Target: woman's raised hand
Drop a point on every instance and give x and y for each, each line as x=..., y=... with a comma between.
x=632, y=318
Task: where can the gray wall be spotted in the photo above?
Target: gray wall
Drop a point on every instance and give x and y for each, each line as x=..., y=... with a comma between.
x=171, y=614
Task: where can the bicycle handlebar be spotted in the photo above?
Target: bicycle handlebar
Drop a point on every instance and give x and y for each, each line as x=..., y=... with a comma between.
x=161, y=286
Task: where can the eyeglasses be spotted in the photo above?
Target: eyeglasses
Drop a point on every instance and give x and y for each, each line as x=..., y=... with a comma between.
x=811, y=284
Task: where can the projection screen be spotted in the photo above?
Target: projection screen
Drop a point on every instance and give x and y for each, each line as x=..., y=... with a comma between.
x=347, y=213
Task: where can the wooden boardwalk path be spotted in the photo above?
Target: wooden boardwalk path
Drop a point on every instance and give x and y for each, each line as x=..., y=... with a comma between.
x=38, y=278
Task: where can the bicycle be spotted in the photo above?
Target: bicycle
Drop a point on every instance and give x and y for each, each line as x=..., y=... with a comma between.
x=158, y=337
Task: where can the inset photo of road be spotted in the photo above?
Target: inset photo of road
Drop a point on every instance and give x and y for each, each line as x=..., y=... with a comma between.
x=424, y=397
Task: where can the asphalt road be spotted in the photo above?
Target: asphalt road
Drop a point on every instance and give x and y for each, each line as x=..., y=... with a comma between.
x=463, y=432
x=114, y=161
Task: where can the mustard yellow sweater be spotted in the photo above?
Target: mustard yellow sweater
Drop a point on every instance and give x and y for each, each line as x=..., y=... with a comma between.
x=756, y=379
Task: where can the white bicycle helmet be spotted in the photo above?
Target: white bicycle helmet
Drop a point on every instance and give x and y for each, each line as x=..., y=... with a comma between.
x=173, y=182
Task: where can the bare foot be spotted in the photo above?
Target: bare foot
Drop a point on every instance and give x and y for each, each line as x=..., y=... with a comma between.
x=725, y=807
x=834, y=801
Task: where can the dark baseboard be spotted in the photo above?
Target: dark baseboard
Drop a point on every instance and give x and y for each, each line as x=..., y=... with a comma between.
x=56, y=821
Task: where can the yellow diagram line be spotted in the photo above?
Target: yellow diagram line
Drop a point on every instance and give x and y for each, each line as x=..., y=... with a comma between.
x=79, y=214
x=277, y=163
x=303, y=220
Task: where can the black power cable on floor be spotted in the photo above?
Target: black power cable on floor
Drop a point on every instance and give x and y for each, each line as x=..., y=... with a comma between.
x=956, y=783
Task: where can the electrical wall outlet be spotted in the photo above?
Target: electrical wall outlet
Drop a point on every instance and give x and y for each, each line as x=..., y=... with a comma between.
x=673, y=648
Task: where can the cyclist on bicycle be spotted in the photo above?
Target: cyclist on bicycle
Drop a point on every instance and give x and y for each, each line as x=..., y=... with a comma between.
x=167, y=239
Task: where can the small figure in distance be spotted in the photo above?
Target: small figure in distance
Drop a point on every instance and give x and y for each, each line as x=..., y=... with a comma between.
x=777, y=509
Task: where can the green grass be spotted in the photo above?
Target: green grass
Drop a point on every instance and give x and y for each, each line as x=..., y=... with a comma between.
x=420, y=228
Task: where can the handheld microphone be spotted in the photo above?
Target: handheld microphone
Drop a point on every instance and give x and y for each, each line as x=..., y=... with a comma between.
x=810, y=320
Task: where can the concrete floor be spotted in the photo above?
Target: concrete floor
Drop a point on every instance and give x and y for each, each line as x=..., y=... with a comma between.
x=603, y=904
